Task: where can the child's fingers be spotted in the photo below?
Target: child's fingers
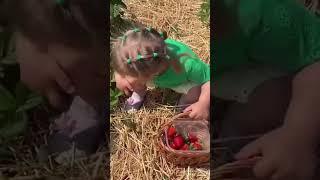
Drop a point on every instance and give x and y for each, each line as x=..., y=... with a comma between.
x=192, y=115
x=56, y=99
x=276, y=176
x=187, y=109
x=64, y=81
x=264, y=168
x=129, y=85
x=250, y=150
x=127, y=92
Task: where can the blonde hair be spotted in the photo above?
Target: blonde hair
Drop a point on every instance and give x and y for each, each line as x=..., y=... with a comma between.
x=142, y=53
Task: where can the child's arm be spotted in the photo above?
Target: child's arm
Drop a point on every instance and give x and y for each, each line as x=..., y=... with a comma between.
x=204, y=97
x=200, y=109
x=290, y=150
x=303, y=115
x=122, y=83
x=42, y=74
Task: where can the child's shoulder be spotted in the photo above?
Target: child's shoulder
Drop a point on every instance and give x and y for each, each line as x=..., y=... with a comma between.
x=176, y=45
x=177, y=48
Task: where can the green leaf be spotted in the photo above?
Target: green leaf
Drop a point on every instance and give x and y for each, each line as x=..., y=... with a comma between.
x=204, y=12
x=113, y=103
x=15, y=124
x=7, y=100
x=9, y=59
x=31, y=103
x=118, y=2
x=5, y=38
x=5, y=153
x=111, y=92
x=22, y=93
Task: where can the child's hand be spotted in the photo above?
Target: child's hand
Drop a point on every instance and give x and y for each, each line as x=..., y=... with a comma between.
x=123, y=84
x=283, y=157
x=42, y=74
x=198, y=111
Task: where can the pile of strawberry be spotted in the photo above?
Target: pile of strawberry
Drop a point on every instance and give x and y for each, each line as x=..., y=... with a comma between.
x=182, y=142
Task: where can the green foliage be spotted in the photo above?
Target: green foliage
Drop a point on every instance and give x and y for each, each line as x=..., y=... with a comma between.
x=204, y=12
x=114, y=97
x=116, y=9
x=14, y=112
x=15, y=99
x=114, y=92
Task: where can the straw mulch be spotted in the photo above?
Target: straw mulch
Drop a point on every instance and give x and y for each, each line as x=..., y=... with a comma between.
x=31, y=162
x=134, y=149
x=134, y=152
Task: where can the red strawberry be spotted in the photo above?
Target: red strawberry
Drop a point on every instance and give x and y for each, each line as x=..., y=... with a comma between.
x=192, y=138
x=184, y=147
x=178, y=141
x=171, y=132
x=173, y=146
x=197, y=146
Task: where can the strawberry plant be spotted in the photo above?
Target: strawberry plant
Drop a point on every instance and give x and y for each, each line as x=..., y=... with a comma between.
x=204, y=12
x=116, y=12
x=116, y=9
x=15, y=99
x=114, y=97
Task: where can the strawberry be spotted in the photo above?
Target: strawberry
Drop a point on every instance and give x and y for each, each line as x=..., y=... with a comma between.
x=192, y=138
x=178, y=141
x=173, y=146
x=171, y=132
x=197, y=146
x=184, y=147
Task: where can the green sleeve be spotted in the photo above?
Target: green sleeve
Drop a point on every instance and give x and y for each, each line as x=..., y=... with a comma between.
x=284, y=34
x=197, y=71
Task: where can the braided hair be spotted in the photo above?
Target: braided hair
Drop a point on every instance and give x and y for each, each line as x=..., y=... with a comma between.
x=142, y=53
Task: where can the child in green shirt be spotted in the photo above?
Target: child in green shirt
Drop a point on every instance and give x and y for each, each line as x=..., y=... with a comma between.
x=267, y=56
x=144, y=56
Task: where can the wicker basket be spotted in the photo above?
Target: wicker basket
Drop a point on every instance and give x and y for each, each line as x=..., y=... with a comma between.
x=225, y=166
x=183, y=122
x=235, y=170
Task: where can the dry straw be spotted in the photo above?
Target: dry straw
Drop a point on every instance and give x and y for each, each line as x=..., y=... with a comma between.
x=135, y=152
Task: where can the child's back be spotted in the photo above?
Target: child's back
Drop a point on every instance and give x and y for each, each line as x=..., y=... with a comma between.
x=279, y=33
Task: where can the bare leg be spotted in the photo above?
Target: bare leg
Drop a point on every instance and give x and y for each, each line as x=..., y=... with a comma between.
x=191, y=97
x=264, y=111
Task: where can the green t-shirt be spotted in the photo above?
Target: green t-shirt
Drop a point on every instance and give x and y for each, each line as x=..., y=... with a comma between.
x=193, y=69
x=280, y=33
